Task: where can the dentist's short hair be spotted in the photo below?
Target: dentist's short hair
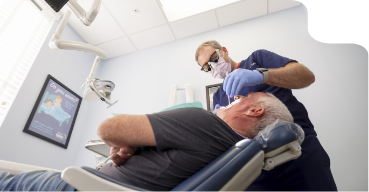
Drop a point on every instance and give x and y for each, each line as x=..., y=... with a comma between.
x=212, y=43
x=274, y=109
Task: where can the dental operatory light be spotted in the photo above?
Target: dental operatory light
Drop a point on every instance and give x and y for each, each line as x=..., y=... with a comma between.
x=95, y=88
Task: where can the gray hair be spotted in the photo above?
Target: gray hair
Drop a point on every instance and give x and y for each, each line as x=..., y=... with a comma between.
x=274, y=109
x=212, y=43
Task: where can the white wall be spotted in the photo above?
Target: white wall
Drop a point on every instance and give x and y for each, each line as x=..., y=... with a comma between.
x=336, y=102
x=69, y=67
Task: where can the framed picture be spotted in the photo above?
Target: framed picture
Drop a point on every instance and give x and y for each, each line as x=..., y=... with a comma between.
x=210, y=90
x=54, y=113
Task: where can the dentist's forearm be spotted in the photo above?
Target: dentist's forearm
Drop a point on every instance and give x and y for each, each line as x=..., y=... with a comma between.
x=291, y=76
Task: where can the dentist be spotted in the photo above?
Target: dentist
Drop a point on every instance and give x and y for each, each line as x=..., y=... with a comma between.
x=265, y=71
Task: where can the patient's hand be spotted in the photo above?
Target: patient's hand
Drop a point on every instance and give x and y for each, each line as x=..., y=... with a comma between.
x=121, y=154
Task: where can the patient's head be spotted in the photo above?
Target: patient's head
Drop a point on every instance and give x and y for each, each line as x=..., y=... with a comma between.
x=249, y=115
x=274, y=109
x=48, y=102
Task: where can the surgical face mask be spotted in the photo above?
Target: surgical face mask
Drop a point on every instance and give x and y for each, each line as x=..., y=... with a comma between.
x=220, y=69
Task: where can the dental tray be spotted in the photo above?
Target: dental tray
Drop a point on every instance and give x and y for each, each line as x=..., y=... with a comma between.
x=99, y=147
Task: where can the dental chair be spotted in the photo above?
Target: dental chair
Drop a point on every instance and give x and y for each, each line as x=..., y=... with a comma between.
x=234, y=170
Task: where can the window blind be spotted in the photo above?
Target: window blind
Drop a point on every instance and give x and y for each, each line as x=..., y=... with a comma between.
x=23, y=29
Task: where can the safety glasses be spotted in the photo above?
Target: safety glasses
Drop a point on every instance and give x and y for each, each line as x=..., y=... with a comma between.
x=213, y=58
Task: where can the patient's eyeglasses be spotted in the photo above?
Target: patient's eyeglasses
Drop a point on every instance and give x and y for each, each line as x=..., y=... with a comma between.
x=213, y=58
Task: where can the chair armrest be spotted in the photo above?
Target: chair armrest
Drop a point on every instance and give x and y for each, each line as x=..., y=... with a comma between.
x=16, y=168
x=293, y=152
x=84, y=180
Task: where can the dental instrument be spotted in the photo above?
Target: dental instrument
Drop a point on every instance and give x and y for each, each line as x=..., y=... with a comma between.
x=95, y=88
x=103, y=163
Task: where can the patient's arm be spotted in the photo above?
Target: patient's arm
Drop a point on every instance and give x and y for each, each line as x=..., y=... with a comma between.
x=127, y=130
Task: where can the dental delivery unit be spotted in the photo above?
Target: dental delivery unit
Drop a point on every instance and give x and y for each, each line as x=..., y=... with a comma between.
x=95, y=88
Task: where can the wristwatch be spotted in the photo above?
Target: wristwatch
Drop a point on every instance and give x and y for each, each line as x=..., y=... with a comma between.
x=265, y=72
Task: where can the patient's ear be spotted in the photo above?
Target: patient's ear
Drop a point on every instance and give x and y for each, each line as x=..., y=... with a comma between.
x=255, y=111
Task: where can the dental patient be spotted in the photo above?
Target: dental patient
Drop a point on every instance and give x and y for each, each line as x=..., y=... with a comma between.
x=178, y=143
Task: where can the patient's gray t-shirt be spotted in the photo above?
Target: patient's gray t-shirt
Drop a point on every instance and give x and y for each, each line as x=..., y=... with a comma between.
x=187, y=140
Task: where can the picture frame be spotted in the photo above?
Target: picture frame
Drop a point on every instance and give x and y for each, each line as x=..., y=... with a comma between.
x=54, y=113
x=210, y=90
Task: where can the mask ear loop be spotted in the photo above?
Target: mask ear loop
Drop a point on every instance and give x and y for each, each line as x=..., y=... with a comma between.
x=228, y=60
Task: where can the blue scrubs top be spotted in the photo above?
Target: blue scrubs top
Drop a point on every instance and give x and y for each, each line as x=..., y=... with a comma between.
x=267, y=59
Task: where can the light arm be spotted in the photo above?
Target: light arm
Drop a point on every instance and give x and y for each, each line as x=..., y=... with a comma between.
x=86, y=17
x=131, y=130
x=292, y=76
x=94, y=67
x=56, y=43
x=91, y=92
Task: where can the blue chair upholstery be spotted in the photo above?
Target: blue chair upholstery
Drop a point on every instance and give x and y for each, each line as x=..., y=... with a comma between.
x=215, y=175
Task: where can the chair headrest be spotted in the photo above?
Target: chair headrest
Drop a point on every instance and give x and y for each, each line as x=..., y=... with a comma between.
x=279, y=133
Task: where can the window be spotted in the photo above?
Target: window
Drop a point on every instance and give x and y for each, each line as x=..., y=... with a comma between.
x=23, y=29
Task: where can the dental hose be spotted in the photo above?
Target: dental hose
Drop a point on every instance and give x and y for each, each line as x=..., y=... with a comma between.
x=103, y=163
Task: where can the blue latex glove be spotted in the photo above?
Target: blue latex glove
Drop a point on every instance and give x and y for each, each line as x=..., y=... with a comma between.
x=234, y=82
x=217, y=106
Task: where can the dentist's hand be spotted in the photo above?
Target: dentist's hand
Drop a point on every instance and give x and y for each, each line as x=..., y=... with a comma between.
x=120, y=154
x=234, y=82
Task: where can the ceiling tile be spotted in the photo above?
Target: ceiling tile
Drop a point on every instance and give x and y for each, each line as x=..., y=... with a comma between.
x=152, y=37
x=149, y=14
x=241, y=11
x=278, y=5
x=103, y=29
x=194, y=25
x=180, y=9
x=117, y=47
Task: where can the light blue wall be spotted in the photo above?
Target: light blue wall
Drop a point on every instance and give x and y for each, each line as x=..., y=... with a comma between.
x=69, y=67
x=336, y=102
